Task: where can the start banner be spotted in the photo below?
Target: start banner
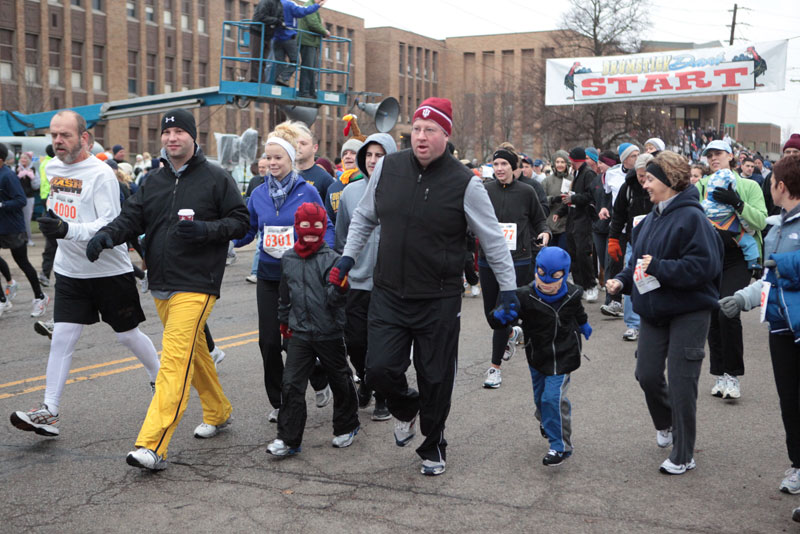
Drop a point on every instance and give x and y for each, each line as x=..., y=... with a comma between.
x=711, y=71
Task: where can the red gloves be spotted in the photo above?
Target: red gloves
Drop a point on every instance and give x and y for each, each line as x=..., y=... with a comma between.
x=343, y=286
x=285, y=332
x=614, y=250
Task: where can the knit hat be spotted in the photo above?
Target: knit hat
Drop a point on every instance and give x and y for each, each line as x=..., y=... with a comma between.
x=591, y=152
x=112, y=163
x=561, y=154
x=325, y=164
x=510, y=157
x=438, y=110
x=117, y=148
x=792, y=142
x=351, y=144
x=3, y=153
x=625, y=150
x=577, y=154
x=656, y=142
x=310, y=212
x=643, y=160
x=179, y=118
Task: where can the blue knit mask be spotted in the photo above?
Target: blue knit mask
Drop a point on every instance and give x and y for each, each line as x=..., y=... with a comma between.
x=552, y=269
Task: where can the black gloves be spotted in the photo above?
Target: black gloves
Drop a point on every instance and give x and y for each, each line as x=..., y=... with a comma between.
x=193, y=231
x=53, y=226
x=728, y=196
x=96, y=245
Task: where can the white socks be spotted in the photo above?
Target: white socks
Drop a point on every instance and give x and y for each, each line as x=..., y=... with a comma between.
x=142, y=348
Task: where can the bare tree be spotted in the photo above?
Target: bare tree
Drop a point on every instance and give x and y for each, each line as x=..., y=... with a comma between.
x=603, y=27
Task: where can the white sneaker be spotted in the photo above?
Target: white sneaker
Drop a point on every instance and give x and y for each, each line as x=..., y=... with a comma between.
x=5, y=306
x=217, y=355
x=205, y=431
x=511, y=346
x=791, y=484
x=345, y=440
x=668, y=468
x=41, y=421
x=146, y=459
x=230, y=260
x=591, y=294
x=404, y=431
x=144, y=284
x=731, y=388
x=253, y=279
x=664, y=438
x=44, y=328
x=613, y=309
x=494, y=378
x=273, y=415
x=431, y=468
x=324, y=397
x=475, y=291
x=280, y=448
x=719, y=387
x=40, y=306
x=631, y=334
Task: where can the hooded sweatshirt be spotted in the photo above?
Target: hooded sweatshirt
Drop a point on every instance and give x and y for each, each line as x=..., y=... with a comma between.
x=361, y=273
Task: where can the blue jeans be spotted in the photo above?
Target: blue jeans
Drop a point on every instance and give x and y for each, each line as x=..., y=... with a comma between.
x=630, y=317
x=309, y=57
x=285, y=51
x=553, y=408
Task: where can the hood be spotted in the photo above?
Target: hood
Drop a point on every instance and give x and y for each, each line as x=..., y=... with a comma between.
x=383, y=139
x=689, y=197
x=632, y=181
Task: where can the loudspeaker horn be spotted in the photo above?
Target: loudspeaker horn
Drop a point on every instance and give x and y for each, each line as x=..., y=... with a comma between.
x=304, y=114
x=385, y=113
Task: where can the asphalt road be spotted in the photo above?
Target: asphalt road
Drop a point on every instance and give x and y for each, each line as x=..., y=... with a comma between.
x=79, y=482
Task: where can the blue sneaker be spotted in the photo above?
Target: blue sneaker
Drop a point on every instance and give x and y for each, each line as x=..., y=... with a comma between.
x=279, y=448
x=431, y=468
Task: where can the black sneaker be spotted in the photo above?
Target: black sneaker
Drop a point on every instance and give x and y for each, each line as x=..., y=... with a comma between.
x=541, y=431
x=364, y=396
x=381, y=411
x=554, y=458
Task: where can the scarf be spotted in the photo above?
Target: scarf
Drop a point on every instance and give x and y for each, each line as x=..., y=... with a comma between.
x=280, y=189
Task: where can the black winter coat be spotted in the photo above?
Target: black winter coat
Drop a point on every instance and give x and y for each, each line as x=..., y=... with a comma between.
x=551, y=329
x=583, y=211
x=518, y=203
x=311, y=306
x=173, y=263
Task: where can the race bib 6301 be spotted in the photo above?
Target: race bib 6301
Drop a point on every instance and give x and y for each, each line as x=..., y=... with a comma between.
x=277, y=240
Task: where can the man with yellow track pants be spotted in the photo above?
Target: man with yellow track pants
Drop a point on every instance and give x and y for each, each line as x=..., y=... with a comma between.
x=189, y=210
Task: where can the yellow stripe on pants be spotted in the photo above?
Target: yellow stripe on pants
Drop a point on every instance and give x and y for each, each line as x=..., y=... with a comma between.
x=185, y=362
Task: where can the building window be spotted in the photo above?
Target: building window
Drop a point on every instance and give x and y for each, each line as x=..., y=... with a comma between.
x=133, y=72
x=228, y=16
x=168, y=12
x=186, y=14
x=150, y=10
x=202, y=74
x=77, y=64
x=97, y=5
x=31, y=58
x=133, y=139
x=169, y=74
x=131, y=7
x=54, y=72
x=6, y=55
x=244, y=10
x=434, y=66
x=151, y=74
x=76, y=3
x=201, y=16
x=400, y=59
x=186, y=73
x=98, y=66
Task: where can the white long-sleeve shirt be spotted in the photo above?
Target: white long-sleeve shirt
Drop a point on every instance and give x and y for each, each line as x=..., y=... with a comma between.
x=86, y=196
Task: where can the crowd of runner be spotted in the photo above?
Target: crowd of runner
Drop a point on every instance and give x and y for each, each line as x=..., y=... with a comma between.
x=369, y=270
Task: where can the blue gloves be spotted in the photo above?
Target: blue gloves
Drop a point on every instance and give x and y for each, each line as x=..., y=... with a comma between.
x=192, y=231
x=509, y=307
x=586, y=330
x=96, y=245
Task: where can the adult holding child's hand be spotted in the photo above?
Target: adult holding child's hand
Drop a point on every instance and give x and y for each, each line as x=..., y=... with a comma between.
x=673, y=278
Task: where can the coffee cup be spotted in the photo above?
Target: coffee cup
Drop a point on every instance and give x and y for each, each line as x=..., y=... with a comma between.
x=186, y=214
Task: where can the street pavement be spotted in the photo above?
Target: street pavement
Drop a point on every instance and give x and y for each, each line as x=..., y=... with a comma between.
x=495, y=480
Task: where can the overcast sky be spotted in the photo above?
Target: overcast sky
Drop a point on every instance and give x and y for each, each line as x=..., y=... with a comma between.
x=673, y=20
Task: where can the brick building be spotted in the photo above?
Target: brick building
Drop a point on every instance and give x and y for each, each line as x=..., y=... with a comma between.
x=761, y=137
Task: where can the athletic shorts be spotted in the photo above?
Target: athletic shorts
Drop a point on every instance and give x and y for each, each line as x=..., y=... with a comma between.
x=13, y=241
x=85, y=300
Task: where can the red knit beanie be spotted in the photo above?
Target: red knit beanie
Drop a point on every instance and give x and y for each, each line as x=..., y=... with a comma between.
x=793, y=142
x=438, y=110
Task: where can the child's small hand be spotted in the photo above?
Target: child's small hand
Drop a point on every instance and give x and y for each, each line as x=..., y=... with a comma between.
x=586, y=330
x=285, y=331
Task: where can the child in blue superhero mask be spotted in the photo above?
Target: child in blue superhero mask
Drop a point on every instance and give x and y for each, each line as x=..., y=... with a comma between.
x=552, y=320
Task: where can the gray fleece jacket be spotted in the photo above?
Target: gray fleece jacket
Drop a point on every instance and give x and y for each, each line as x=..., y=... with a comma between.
x=361, y=274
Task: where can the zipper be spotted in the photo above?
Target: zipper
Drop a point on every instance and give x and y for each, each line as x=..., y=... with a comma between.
x=405, y=235
x=169, y=217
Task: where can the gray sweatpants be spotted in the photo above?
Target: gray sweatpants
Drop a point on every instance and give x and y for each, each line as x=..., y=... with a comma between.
x=680, y=344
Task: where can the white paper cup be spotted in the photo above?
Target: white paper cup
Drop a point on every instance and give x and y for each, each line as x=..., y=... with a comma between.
x=186, y=214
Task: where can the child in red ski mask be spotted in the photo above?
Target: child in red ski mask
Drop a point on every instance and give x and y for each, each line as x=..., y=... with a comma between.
x=311, y=313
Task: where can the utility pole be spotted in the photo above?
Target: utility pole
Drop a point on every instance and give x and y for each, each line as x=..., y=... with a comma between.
x=725, y=97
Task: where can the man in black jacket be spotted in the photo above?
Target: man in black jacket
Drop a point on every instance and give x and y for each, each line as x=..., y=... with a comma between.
x=270, y=14
x=186, y=260
x=580, y=216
